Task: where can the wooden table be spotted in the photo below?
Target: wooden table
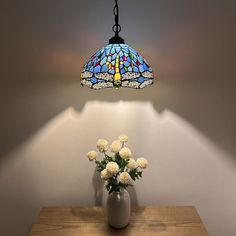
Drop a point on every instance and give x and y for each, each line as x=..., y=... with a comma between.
x=151, y=220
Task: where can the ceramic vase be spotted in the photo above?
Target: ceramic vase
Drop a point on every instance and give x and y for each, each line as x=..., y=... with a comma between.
x=118, y=209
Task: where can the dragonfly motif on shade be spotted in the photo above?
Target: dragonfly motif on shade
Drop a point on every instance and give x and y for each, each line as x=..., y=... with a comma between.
x=116, y=65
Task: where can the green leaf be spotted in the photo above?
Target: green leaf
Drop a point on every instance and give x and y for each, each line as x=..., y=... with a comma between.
x=140, y=173
x=108, y=186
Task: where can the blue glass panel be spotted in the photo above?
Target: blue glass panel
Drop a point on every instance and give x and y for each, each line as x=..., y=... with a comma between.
x=112, y=71
x=113, y=63
x=141, y=79
x=118, y=49
x=133, y=51
x=104, y=68
x=108, y=51
x=103, y=56
x=126, y=54
x=103, y=61
x=113, y=50
x=128, y=59
x=145, y=67
x=114, y=56
x=130, y=68
x=121, y=54
x=140, y=59
x=91, y=69
x=141, y=68
x=134, y=63
x=136, y=69
x=93, y=80
x=126, y=50
x=97, y=69
x=122, y=71
x=126, y=63
x=134, y=57
x=109, y=59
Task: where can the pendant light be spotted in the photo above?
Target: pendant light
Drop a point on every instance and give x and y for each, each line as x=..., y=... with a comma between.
x=116, y=65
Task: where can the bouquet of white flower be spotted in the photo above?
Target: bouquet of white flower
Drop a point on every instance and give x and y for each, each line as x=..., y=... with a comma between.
x=119, y=169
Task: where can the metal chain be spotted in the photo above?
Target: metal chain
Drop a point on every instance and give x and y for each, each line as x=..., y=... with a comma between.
x=116, y=27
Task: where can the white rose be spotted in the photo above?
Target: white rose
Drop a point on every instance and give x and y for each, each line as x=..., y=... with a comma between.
x=102, y=145
x=125, y=153
x=92, y=155
x=112, y=167
x=124, y=178
x=116, y=146
x=105, y=175
x=132, y=164
x=123, y=138
x=142, y=162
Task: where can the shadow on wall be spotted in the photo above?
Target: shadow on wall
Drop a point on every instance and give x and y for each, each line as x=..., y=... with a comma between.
x=98, y=186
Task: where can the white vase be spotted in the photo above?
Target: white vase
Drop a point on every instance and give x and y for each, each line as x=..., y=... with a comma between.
x=118, y=209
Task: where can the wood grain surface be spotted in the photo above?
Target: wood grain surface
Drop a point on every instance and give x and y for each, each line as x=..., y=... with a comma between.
x=144, y=221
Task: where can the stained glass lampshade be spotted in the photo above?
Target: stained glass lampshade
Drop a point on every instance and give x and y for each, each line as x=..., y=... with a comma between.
x=116, y=65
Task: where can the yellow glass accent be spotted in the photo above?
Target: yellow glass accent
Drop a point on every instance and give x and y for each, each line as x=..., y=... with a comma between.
x=117, y=64
x=117, y=77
